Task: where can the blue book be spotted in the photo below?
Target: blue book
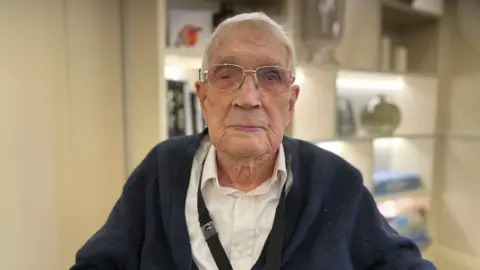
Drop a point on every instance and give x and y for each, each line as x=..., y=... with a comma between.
x=388, y=182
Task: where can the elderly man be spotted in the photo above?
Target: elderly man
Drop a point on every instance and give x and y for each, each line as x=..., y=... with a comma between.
x=241, y=195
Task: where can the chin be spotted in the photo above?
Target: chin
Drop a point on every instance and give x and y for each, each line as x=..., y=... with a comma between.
x=248, y=145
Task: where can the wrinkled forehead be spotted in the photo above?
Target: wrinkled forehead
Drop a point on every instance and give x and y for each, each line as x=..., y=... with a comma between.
x=250, y=47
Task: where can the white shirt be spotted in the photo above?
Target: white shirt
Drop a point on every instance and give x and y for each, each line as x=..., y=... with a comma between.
x=243, y=220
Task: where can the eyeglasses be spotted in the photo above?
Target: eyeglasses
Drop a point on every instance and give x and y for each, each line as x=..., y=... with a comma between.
x=231, y=77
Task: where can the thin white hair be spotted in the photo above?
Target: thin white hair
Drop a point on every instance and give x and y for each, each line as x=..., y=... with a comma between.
x=259, y=19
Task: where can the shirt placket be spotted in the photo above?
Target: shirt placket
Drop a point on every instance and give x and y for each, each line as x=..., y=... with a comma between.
x=243, y=233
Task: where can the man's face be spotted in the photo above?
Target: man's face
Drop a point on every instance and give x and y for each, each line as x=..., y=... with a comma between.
x=249, y=120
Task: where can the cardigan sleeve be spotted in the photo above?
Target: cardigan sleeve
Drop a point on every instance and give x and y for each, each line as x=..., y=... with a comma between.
x=378, y=245
x=116, y=246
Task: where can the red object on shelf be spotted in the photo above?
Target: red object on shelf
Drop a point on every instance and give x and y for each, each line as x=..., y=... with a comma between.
x=187, y=36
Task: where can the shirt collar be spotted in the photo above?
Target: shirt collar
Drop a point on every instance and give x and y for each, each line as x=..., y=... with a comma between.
x=210, y=169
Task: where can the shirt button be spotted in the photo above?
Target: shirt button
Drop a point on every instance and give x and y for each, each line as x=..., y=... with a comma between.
x=244, y=250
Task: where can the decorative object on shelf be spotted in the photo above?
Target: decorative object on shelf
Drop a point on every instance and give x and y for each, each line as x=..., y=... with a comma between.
x=386, y=53
x=389, y=182
x=187, y=36
x=346, y=125
x=412, y=225
x=380, y=117
x=322, y=29
x=400, y=58
x=226, y=11
x=189, y=28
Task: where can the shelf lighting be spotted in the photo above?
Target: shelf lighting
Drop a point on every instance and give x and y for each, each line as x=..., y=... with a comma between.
x=388, y=142
x=349, y=80
x=332, y=146
x=173, y=73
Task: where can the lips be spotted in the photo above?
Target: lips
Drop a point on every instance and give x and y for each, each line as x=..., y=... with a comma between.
x=248, y=128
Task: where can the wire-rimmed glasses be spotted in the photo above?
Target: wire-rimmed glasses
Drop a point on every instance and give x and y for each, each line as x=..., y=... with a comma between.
x=231, y=77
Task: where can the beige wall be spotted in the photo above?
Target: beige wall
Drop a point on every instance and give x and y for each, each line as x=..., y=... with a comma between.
x=32, y=87
x=61, y=127
x=143, y=27
x=458, y=219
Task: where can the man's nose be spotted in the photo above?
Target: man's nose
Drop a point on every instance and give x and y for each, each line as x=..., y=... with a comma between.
x=248, y=96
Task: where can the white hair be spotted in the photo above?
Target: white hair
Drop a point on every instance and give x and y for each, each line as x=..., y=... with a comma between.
x=258, y=19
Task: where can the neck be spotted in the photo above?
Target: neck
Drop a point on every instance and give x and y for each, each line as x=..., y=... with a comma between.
x=244, y=174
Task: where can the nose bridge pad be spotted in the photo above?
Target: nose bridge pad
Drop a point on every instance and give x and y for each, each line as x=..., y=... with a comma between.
x=255, y=79
x=254, y=75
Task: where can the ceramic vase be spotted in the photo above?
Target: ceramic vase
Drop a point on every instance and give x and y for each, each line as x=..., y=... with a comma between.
x=381, y=116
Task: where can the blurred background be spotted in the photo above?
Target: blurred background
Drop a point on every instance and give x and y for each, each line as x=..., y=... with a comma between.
x=88, y=87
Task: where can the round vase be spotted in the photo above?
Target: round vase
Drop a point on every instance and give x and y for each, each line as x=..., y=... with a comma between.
x=380, y=117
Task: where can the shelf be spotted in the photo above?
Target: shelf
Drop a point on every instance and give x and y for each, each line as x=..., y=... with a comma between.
x=416, y=99
x=465, y=135
x=185, y=58
x=422, y=192
x=399, y=15
x=322, y=87
x=303, y=68
x=363, y=138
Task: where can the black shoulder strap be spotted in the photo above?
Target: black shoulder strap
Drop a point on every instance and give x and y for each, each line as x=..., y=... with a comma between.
x=275, y=243
x=210, y=233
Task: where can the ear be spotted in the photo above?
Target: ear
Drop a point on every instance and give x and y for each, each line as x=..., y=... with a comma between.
x=295, y=91
x=201, y=90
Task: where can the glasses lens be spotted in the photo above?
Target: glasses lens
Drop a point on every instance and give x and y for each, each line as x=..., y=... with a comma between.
x=225, y=76
x=274, y=77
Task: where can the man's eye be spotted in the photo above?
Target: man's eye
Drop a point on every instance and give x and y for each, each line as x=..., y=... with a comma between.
x=272, y=76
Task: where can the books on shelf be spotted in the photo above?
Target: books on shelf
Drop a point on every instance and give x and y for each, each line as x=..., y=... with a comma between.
x=387, y=182
x=184, y=112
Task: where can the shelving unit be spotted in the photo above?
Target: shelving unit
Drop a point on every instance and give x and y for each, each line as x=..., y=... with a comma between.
x=411, y=149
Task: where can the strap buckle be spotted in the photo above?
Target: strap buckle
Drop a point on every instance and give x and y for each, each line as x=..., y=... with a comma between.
x=208, y=230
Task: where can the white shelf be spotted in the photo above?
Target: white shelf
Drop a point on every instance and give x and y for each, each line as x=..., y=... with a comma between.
x=185, y=58
x=366, y=137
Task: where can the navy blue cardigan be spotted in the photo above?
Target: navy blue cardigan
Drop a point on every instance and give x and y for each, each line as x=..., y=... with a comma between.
x=332, y=222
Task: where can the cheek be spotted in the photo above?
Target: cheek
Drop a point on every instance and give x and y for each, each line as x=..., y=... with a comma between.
x=278, y=112
x=217, y=110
